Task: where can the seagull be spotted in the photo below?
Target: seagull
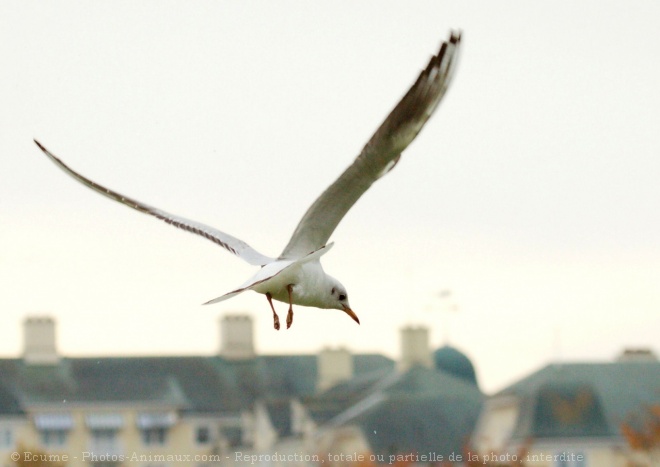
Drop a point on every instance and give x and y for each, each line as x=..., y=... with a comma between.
x=296, y=275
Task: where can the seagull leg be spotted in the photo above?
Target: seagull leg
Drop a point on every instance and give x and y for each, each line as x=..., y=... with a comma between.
x=276, y=319
x=289, y=315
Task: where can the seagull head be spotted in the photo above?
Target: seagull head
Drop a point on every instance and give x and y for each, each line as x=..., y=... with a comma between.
x=338, y=299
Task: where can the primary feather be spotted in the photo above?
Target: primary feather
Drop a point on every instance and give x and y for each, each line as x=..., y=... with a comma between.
x=379, y=155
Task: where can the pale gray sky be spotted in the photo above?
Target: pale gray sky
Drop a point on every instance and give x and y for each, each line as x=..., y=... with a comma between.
x=532, y=193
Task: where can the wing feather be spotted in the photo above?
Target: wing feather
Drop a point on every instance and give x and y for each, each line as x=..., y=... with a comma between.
x=226, y=241
x=380, y=154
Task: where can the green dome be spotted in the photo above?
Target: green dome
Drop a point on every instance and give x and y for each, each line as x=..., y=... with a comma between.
x=454, y=362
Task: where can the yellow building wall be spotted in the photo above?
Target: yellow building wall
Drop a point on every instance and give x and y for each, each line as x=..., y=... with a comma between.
x=180, y=447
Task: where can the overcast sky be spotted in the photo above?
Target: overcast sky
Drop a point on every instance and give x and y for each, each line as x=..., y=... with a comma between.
x=533, y=194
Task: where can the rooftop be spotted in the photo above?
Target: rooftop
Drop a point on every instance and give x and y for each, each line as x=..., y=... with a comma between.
x=585, y=399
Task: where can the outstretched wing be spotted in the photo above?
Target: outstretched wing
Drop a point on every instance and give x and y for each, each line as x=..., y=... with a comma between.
x=229, y=243
x=379, y=156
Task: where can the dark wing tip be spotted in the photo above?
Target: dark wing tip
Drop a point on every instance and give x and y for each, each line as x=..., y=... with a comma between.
x=419, y=103
x=454, y=40
x=48, y=153
x=40, y=145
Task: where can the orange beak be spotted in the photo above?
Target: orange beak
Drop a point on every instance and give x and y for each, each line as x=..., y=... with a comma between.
x=352, y=314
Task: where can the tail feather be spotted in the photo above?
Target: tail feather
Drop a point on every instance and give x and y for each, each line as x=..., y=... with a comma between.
x=224, y=297
x=269, y=271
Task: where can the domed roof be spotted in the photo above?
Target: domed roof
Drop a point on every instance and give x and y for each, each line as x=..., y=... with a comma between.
x=454, y=362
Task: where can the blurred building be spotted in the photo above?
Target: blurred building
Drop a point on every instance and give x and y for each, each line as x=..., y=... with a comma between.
x=241, y=407
x=224, y=409
x=421, y=412
x=577, y=414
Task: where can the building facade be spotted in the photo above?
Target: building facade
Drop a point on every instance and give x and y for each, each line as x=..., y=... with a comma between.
x=335, y=408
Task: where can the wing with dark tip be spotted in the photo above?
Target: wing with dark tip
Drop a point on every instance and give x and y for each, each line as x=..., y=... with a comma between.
x=380, y=154
x=229, y=243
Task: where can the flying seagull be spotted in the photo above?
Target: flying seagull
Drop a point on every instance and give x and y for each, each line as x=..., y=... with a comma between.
x=296, y=275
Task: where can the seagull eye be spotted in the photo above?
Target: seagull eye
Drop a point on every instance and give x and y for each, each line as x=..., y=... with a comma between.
x=342, y=297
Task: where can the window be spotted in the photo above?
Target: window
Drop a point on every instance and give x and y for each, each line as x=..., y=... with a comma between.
x=154, y=425
x=53, y=427
x=203, y=435
x=53, y=438
x=103, y=435
x=6, y=438
x=104, y=442
x=154, y=436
